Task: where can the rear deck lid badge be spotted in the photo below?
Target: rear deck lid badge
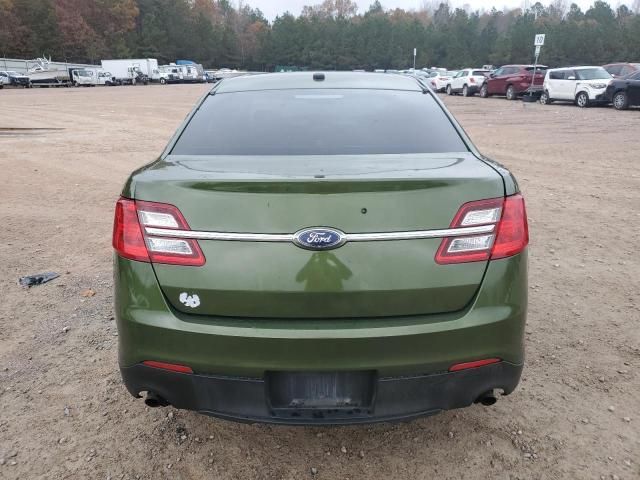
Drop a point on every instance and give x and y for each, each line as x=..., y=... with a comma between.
x=319, y=238
x=192, y=301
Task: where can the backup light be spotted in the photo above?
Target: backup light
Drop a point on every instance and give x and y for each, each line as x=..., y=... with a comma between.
x=131, y=241
x=470, y=244
x=157, y=219
x=481, y=217
x=510, y=236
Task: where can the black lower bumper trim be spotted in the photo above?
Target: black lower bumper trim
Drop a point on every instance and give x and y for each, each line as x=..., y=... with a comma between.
x=394, y=398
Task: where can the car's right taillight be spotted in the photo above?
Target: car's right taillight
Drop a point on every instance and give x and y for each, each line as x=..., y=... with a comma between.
x=131, y=239
x=509, y=236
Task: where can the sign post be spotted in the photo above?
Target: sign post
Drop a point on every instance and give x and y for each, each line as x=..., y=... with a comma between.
x=415, y=52
x=538, y=42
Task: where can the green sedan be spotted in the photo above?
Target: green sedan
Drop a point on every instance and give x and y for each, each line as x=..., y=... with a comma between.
x=320, y=248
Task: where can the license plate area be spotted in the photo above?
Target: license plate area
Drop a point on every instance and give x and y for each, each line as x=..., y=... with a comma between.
x=321, y=394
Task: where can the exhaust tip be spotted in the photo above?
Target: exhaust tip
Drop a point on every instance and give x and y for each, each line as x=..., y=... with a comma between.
x=153, y=401
x=487, y=399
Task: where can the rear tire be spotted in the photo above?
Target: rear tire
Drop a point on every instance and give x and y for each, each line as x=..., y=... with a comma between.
x=449, y=90
x=545, y=99
x=162, y=81
x=511, y=93
x=465, y=91
x=582, y=100
x=620, y=101
x=484, y=91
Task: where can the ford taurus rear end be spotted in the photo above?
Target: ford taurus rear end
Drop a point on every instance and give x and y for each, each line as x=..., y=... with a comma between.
x=320, y=248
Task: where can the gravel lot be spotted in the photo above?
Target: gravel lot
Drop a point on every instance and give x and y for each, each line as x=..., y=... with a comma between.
x=65, y=414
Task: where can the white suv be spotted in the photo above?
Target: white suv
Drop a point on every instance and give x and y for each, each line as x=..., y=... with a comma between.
x=582, y=85
x=467, y=81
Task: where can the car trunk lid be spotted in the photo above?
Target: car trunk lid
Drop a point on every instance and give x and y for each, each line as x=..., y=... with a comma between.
x=353, y=194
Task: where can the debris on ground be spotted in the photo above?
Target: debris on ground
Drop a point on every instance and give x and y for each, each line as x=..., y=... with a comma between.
x=38, y=279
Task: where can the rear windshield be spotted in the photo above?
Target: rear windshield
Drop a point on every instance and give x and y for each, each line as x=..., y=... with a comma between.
x=592, y=74
x=319, y=122
x=538, y=69
x=480, y=72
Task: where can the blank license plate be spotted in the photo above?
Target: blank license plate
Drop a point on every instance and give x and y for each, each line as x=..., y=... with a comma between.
x=300, y=390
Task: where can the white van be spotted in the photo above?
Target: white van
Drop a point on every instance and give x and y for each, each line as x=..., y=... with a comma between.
x=582, y=85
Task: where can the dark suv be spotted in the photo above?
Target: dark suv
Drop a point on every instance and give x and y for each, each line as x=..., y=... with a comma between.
x=618, y=70
x=513, y=81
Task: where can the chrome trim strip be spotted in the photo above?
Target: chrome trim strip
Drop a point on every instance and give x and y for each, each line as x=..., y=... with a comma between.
x=419, y=234
x=348, y=237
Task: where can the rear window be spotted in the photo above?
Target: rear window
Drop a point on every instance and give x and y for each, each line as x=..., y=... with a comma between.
x=480, y=72
x=592, y=74
x=319, y=122
x=538, y=69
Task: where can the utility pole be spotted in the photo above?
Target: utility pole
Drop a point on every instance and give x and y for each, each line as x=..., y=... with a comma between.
x=415, y=52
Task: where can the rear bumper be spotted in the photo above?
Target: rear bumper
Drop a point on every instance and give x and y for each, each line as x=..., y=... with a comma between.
x=394, y=398
x=232, y=357
x=600, y=98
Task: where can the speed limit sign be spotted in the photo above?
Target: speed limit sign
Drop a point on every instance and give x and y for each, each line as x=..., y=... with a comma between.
x=539, y=40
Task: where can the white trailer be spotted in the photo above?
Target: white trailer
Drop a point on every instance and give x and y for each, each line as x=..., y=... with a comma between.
x=132, y=70
x=189, y=72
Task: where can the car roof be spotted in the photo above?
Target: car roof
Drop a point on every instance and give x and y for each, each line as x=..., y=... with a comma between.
x=581, y=67
x=633, y=64
x=305, y=80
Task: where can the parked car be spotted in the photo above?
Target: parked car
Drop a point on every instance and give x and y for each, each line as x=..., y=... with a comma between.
x=621, y=69
x=467, y=82
x=584, y=86
x=624, y=92
x=106, y=78
x=15, y=79
x=294, y=292
x=440, y=80
x=513, y=81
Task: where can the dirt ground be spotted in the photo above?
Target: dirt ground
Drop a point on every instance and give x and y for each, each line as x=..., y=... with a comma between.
x=64, y=413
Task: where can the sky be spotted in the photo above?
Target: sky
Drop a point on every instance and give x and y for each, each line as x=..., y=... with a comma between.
x=271, y=8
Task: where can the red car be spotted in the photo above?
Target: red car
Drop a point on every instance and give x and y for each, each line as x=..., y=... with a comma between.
x=513, y=81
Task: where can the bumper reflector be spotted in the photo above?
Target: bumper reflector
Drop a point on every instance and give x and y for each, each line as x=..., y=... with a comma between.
x=168, y=366
x=475, y=364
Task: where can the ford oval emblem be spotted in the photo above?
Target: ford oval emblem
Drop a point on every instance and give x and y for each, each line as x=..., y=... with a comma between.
x=319, y=238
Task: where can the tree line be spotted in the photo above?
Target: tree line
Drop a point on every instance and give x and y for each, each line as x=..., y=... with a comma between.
x=330, y=35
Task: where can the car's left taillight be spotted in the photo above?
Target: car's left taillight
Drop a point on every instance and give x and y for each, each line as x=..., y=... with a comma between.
x=509, y=236
x=131, y=239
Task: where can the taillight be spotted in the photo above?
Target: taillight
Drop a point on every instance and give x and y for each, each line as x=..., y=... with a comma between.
x=130, y=239
x=472, y=80
x=513, y=229
x=509, y=236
